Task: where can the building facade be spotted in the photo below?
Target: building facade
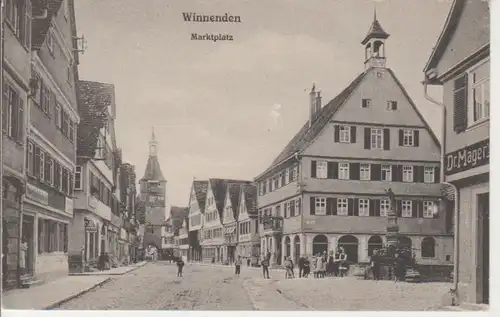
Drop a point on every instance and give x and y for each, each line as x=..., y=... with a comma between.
x=128, y=232
x=460, y=63
x=153, y=193
x=248, y=244
x=16, y=90
x=230, y=222
x=326, y=189
x=183, y=239
x=51, y=142
x=197, y=200
x=94, y=228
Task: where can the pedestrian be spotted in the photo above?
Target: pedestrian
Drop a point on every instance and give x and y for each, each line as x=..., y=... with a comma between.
x=237, y=265
x=375, y=265
x=307, y=268
x=248, y=261
x=288, y=268
x=336, y=262
x=180, y=265
x=330, y=265
x=342, y=263
x=265, y=267
x=301, y=266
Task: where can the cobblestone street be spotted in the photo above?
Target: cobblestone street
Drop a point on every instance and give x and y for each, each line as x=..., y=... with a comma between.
x=156, y=286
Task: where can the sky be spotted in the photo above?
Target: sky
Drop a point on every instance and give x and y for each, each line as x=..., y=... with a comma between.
x=225, y=109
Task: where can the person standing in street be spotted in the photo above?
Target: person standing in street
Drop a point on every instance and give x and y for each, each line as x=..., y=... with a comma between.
x=375, y=265
x=237, y=265
x=301, y=266
x=265, y=267
x=180, y=265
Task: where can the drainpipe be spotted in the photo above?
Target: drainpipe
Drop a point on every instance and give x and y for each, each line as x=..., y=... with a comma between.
x=1, y=121
x=456, y=212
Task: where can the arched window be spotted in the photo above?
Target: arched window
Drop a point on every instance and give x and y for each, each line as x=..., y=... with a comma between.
x=320, y=244
x=350, y=245
x=405, y=242
x=374, y=243
x=296, y=242
x=428, y=247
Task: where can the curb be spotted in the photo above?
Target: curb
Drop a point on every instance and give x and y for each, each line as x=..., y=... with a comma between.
x=133, y=268
x=60, y=302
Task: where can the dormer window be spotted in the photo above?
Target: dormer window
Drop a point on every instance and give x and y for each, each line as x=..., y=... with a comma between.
x=392, y=105
x=366, y=103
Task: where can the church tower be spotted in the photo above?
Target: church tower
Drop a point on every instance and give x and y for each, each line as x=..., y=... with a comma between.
x=153, y=197
x=374, y=43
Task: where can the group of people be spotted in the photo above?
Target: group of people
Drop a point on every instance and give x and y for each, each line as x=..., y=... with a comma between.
x=334, y=264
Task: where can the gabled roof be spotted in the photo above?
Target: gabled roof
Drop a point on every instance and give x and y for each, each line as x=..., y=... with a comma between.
x=375, y=31
x=307, y=134
x=250, y=198
x=177, y=216
x=219, y=187
x=94, y=98
x=153, y=170
x=446, y=34
x=234, y=196
x=200, y=190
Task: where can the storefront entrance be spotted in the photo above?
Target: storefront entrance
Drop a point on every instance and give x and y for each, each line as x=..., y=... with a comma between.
x=483, y=268
x=28, y=242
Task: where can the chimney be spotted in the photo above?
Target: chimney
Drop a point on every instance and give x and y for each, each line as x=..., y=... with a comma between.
x=318, y=102
x=312, y=105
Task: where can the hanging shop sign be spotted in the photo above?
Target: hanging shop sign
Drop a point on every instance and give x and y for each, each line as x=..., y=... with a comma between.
x=475, y=155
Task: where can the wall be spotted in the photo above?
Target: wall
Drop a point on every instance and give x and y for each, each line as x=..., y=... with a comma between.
x=472, y=32
x=76, y=233
x=50, y=266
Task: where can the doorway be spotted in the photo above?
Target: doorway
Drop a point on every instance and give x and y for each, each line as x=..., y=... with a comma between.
x=28, y=239
x=483, y=247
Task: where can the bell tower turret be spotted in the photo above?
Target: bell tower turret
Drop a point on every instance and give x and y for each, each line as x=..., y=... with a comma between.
x=374, y=43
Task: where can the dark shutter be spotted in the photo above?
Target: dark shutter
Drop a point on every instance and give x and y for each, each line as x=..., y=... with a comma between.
x=313, y=169
x=415, y=208
x=36, y=161
x=334, y=206
x=367, y=138
x=336, y=134
x=350, y=207
x=394, y=105
x=364, y=103
x=353, y=134
x=373, y=203
x=401, y=137
x=419, y=209
x=329, y=206
x=20, y=119
x=354, y=171
x=335, y=170
x=460, y=104
x=312, y=208
x=387, y=139
x=330, y=170
x=399, y=208
x=416, y=138
x=437, y=175
x=397, y=173
x=376, y=204
x=376, y=172
x=418, y=174
x=355, y=209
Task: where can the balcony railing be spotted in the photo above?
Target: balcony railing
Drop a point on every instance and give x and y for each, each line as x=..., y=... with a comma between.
x=273, y=224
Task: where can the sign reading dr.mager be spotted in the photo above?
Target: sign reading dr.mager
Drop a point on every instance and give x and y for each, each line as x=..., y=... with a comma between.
x=474, y=155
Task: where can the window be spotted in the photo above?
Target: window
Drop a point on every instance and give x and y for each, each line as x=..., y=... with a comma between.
x=392, y=105
x=406, y=210
x=387, y=173
x=18, y=16
x=58, y=115
x=287, y=176
x=407, y=137
x=44, y=98
x=298, y=205
x=345, y=134
x=428, y=247
x=320, y=206
x=407, y=173
x=385, y=206
x=65, y=124
x=429, y=209
x=280, y=180
x=13, y=113
x=377, y=138
x=288, y=209
x=292, y=208
x=364, y=172
x=343, y=170
x=366, y=103
x=290, y=174
x=29, y=162
x=78, y=178
x=342, y=206
x=275, y=182
x=295, y=172
x=321, y=169
x=364, y=207
x=50, y=42
x=429, y=176
x=42, y=166
x=480, y=92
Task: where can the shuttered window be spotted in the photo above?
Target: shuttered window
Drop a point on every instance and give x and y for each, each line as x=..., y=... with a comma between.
x=460, y=103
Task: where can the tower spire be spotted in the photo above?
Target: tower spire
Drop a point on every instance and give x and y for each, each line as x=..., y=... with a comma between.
x=374, y=11
x=153, y=144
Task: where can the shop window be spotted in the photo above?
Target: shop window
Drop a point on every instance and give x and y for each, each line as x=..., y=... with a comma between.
x=428, y=247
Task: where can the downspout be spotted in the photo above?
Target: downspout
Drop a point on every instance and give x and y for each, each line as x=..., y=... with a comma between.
x=442, y=181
